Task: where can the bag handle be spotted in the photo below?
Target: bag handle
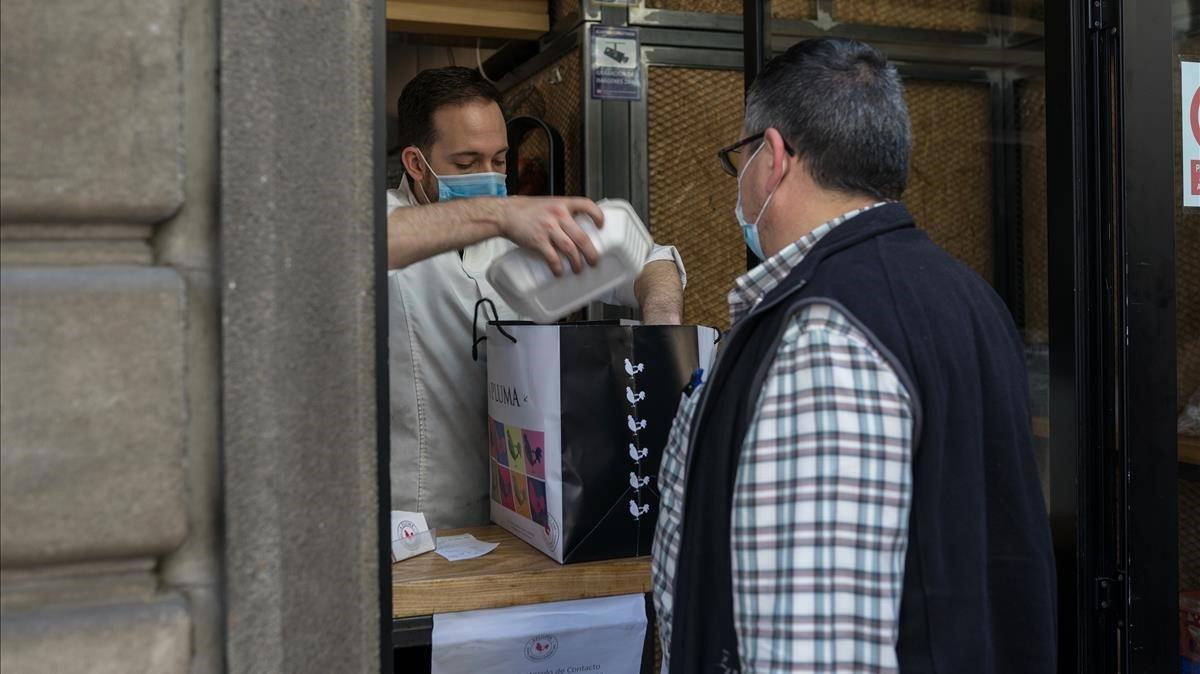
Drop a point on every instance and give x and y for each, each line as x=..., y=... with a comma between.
x=475, y=338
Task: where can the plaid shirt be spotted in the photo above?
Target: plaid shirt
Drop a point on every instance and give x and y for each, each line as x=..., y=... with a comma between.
x=821, y=501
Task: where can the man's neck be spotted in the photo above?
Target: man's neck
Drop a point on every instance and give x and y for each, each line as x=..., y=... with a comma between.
x=805, y=215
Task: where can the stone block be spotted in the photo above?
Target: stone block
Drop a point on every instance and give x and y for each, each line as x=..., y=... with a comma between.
x=90, y=111
x=150, y=638
x=92, y=418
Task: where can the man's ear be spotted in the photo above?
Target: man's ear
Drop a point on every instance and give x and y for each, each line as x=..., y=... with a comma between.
x=413, y=165
x=779, y=155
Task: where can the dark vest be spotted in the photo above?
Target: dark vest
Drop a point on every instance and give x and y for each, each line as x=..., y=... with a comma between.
x=979, y=586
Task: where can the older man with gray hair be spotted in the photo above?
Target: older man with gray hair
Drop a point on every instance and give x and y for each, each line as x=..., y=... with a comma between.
x=853, y=489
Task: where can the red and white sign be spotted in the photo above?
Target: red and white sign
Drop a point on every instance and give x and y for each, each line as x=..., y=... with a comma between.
x=1190, y=79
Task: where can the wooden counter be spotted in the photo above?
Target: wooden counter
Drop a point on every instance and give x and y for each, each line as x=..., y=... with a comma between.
x=513, y=574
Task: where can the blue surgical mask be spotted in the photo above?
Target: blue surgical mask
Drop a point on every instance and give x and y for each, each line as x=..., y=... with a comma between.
x=468, y=185
x=750, y=229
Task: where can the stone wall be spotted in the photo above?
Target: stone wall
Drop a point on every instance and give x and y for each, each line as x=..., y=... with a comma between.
x=119, y=522
x=105, y=325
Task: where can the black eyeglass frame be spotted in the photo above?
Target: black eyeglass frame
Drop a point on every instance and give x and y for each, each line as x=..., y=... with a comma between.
x=727, y=163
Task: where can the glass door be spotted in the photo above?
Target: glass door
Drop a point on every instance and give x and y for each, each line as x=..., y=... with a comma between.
x=1185, y=20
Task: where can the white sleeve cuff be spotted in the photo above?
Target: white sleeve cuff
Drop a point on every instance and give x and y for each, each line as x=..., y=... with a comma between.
x=669, y=253
x=624, y=295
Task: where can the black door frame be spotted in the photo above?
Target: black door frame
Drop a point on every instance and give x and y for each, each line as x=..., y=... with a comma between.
x=1112, y=333
x=1147, y=421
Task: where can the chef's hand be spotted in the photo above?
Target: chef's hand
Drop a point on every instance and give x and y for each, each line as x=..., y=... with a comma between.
x=547, y=226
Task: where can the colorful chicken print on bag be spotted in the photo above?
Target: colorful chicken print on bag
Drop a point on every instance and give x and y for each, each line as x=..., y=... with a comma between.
x=521, y=495
x=537, y=501
x=495, y=490
x=516, y=454
x=534, y=445
x=498, y=442
x=518, y=463
x=506, y=489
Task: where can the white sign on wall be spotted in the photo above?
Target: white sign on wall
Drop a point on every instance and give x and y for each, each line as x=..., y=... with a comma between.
x=583, y=636
x=1190, y=121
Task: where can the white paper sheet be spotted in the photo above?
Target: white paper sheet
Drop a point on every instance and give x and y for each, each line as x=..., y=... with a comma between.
x=463, y=546
x=592, y=636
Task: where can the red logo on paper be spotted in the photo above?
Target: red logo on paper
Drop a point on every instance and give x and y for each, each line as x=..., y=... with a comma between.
x=1196, y=177
x=1196, y=115
x=541, y=647
x=408, y=534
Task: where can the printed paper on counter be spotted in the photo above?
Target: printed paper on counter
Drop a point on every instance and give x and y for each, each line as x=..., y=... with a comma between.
x=463, y=546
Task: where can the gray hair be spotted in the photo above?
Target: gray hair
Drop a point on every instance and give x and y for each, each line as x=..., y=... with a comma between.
x=840, y=105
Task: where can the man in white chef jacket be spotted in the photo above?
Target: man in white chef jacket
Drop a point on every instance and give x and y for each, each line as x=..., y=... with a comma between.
x=447, y=222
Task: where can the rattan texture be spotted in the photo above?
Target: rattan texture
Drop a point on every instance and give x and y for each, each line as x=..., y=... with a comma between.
x=1189, y=534
x=794, y=9
x=657, y=638
x=1031, y=118
x=1187, y=333
x=692, y=113
x=561, y=9
x=1187, y=263
x=950, y=177
x=703, y=6
x=783, y=9
x=955, y=15
x=554, y=95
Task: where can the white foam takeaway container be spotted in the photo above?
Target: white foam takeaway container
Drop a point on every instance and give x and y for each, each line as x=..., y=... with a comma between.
x=524, y=280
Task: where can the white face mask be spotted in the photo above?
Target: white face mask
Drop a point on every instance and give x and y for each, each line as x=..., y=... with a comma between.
x=750, y=229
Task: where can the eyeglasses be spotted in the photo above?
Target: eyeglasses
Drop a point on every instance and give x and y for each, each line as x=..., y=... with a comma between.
x=731, y=157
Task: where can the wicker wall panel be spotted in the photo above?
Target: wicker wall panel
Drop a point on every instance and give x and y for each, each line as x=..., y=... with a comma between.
x=1189, y=542
x=794, y=9
x=1031, y=101
x=554, y=94
x=784, y=9
x=961, y=15
x=705, y=6
x=950, y=177
x=691, y=199
x=1187, y=263
x=561, y=9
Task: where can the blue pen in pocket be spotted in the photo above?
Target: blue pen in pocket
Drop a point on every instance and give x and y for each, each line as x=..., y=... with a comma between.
x=694, y=383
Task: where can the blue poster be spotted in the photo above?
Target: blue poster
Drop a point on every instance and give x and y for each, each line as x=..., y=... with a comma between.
x=616, y=63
